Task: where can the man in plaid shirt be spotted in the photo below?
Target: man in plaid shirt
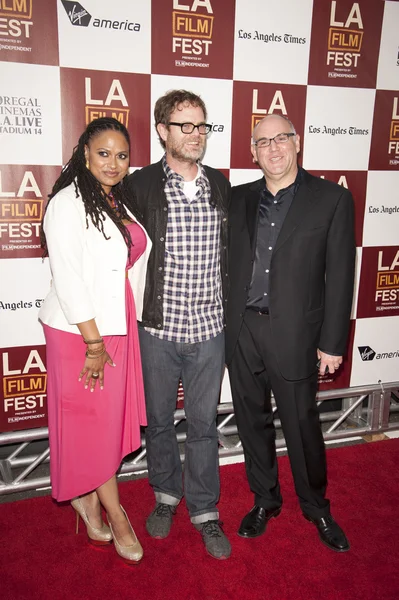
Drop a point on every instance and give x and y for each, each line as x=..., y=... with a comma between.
x=184, y=209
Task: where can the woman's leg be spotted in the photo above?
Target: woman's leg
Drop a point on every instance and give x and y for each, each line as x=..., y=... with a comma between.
x=109, y=498
x=92, y=507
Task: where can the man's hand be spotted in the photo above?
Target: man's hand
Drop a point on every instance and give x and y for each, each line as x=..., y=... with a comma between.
x=328, y=360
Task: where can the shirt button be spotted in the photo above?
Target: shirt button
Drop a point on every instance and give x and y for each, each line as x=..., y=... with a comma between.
x=270, y=248
x=265, y=294
x=159, y=325
x=267, y=270
x=272, y=224
x=161, y=239
x=275, y=202
x=159, y=297
x=224, y=220
x=165, y=208
x=159, y=268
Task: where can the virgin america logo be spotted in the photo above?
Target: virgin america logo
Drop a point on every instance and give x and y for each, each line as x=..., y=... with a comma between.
x=76, y=13
x=366, y=353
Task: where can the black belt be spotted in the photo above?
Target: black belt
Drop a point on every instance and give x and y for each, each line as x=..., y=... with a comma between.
x=263, y=311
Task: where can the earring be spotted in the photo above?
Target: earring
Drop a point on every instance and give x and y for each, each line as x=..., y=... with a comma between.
x=87, y=164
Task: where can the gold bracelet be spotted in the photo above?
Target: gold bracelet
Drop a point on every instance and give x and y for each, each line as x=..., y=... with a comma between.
x=92, y=353
x=96, y=355
x=93, y=341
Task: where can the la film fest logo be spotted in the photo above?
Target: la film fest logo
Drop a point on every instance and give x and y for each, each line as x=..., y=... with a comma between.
x=387, y=284
x=20, y=115
x=277, y=105
x=345, y=37
x=15, y=24
x=24, y=385
x=114, y=105
x=192, y=33
x=20, y=216
x=393, y=144
x=80, y=17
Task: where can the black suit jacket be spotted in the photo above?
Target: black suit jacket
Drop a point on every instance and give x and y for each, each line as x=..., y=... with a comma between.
x=311, y=273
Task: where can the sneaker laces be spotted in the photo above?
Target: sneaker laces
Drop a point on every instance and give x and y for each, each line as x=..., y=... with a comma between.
x=163, y=510
x=211, y=529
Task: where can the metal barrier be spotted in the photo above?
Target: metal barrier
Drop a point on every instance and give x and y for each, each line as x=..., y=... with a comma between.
x=365, y=410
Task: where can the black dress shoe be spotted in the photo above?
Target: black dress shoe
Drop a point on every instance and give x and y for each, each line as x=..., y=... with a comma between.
x=254, y=523
x=330, y=533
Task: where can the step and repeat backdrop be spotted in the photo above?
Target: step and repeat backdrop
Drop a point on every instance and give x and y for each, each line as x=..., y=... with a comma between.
x=331, y=66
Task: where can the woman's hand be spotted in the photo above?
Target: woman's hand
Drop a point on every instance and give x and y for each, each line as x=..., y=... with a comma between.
x=93, y=369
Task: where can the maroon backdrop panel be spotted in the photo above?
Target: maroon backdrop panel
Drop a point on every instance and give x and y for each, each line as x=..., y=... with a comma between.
x=23, y=400
x=345, y=43
x=251, y=102
x=193, y=39
x=87, y=95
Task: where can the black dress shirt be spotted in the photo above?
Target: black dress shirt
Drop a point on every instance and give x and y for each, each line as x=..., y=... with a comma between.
x=271, y=216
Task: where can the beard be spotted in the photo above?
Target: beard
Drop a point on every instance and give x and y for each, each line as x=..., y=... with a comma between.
x=186, y=153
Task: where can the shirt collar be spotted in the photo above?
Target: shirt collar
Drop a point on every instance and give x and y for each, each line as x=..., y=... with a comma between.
x=294, y=185
x=171, y=174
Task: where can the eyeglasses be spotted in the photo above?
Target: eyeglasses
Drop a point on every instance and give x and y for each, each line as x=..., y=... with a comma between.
x=280, y=138
x=203, y=128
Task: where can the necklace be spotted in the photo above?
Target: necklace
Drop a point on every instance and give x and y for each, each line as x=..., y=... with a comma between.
x=113, y=202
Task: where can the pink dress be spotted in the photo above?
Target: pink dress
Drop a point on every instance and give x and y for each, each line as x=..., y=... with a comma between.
x=91, y=432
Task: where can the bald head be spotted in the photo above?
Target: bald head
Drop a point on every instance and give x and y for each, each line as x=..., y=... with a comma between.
x=283, y=119
x=275, y=146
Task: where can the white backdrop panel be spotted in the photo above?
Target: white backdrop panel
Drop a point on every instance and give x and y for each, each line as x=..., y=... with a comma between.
x=380, y=350
x=117, y=37
x=381, y=217
x=28, y=282
x=31, y=133
x=388, y=63
x=338, y=128
x=272, y=41
x=217, y=95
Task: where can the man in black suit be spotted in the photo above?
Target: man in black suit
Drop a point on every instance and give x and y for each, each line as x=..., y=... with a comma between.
x=292, y=257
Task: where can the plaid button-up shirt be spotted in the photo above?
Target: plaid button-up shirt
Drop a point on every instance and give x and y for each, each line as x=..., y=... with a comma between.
x=192, y=302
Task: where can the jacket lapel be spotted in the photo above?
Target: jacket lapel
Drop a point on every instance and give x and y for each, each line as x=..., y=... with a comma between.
x=252, y=202
x=305, y=198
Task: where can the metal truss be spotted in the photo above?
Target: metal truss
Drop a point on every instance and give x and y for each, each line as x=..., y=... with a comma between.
x=364, y=410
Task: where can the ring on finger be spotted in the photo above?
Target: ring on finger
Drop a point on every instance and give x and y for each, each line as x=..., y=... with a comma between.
x=95, y=375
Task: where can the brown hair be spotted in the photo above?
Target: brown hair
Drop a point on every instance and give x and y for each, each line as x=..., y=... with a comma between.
x=166, y=104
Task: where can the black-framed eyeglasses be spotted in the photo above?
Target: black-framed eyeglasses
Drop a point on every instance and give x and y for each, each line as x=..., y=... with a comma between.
x=280, y=138
x=203, y=128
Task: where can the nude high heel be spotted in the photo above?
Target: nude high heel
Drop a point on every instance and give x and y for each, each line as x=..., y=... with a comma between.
x=97, y=537
x=133, y=554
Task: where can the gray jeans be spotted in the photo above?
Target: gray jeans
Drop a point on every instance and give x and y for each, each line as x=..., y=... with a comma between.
x=200, y=367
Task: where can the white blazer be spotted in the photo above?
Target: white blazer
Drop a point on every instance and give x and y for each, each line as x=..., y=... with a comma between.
x=88, y=271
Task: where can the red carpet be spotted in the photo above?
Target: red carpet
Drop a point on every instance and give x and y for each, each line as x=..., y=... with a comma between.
x=40, y=556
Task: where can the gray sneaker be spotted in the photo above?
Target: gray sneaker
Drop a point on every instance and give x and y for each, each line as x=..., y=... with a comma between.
x=216, y=543
x=159, y=522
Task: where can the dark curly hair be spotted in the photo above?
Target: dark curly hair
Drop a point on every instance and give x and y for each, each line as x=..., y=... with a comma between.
x=166, y=104
x=90, y=189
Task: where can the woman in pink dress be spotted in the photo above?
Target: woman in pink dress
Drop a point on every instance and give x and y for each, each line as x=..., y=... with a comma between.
x=98, y=257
